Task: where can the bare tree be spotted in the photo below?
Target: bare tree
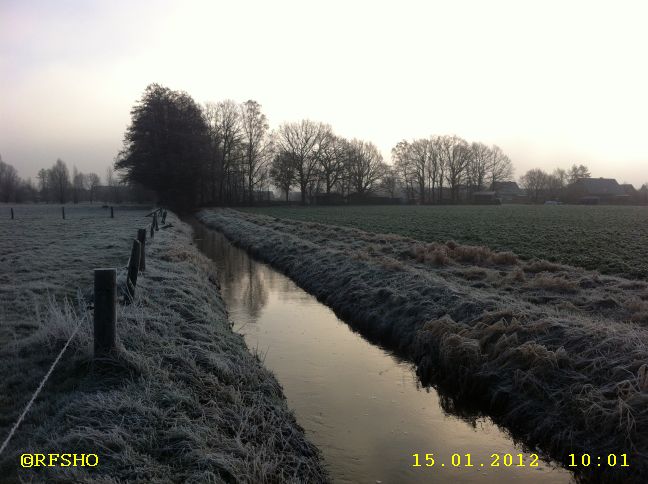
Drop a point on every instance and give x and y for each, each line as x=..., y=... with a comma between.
x=478, y=165
x=553, y=185
x=44, y=184
x=404, y=167
x=365, y=167
x=26, y=191
x=390, y=181
x=578, y=172
x=230, y=133
x=300, y=141
x=535, y=181
x=423, y=162
x=60, y=180
x=434, y=165
x=500, y=167
x=561, y=177
x=256, y=144
x=223, y=172
x=213, y=167
x=78, y=184
x=331, y=156
x=93, y=181
x=454, y=153
x=111, y=182
x=282, y=172
x=441, y=165
x=9, y=182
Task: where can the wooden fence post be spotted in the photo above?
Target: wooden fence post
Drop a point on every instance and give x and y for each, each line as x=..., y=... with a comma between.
x=164, y=214
x=112, y=213
x=155, y=222
x=152, y=229
x=63, y=212
x=12, y=215
x=141, y=237
x=133, y=269
x=105, y=310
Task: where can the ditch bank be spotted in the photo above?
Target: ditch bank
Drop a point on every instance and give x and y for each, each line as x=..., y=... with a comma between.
x=183, y=400
x=548, y=351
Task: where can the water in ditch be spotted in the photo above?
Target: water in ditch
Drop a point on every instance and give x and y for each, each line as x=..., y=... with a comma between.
x=362, y=406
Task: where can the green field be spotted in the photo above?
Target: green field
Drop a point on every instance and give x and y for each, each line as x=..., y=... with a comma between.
x=613, y=240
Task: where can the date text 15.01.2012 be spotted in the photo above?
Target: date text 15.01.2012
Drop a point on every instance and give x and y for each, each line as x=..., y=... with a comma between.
x=517, y=460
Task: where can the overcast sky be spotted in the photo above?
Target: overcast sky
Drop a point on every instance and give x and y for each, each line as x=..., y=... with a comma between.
x=553, y=83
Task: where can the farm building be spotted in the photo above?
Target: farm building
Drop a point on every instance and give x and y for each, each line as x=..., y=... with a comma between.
x=508, y=191
x=593, y=191
x=642, y=194
x=486, y=198
x=629, y=190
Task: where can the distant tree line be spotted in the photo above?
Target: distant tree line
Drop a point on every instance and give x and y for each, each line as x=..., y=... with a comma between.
x=224, y=153
x=425, y=166
x=57, y=185
x=12, y=187
x=542, y=185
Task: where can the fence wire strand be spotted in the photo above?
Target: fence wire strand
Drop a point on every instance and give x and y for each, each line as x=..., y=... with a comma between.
x=38, y=390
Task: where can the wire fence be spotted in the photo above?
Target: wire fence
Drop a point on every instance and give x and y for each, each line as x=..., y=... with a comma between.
x=134, y=264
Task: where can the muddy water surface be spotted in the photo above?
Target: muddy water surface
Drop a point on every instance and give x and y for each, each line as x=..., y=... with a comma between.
x=359, y=404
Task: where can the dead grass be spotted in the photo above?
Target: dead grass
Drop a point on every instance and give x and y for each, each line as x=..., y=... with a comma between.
x=452, y=253
x=549, y=282
x=504, y=258
x=517, y=275
x=431, y=254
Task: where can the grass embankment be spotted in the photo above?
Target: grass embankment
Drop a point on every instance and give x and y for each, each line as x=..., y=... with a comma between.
x=182, y=401
x=608, y=239
x=557, y=354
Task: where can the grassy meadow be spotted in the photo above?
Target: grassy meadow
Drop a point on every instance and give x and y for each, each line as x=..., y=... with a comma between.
x=609, y=239
x=44, y=258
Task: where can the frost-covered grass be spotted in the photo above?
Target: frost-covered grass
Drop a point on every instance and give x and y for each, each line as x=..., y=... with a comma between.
x=182, y=400
x=557, y=354
x=42, y=255
x=609, y=239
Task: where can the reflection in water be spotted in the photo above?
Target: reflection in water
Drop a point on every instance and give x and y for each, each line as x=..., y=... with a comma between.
x=360, y=405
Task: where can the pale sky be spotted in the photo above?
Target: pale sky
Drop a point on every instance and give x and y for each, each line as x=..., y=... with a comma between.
x=552, y=82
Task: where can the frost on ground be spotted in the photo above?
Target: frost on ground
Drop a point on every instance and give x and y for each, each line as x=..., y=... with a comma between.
x=43, y=256
x=555, y=353
x=183, y=401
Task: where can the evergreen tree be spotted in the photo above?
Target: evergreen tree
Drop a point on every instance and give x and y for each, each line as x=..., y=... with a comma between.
x=165, y=146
